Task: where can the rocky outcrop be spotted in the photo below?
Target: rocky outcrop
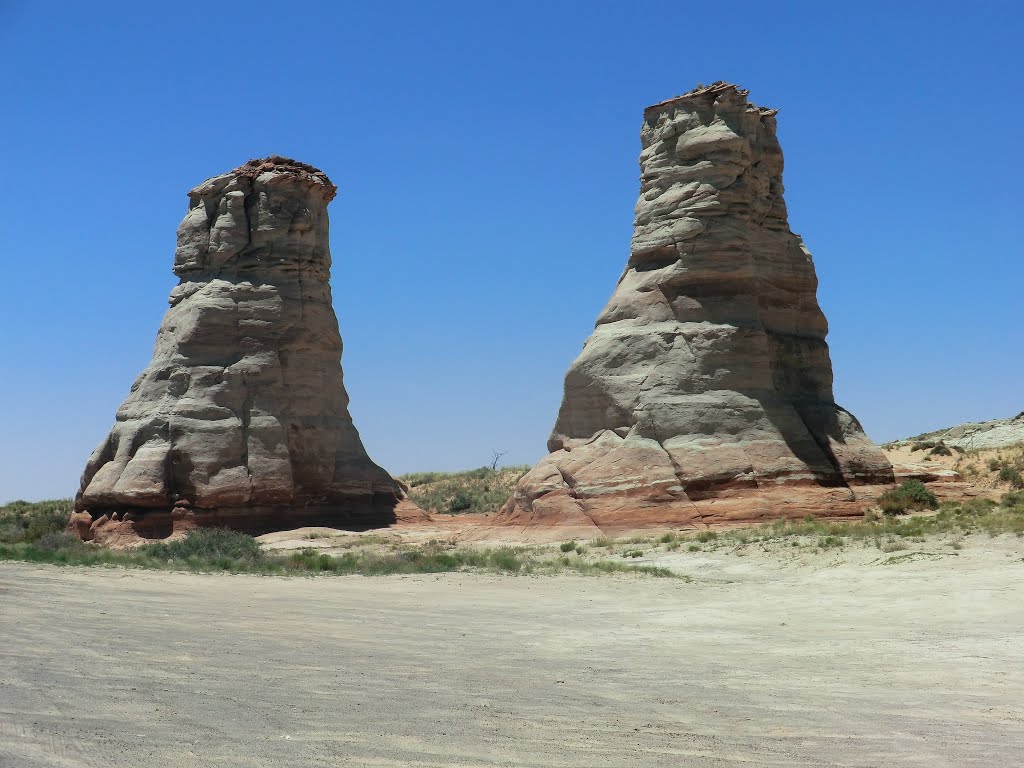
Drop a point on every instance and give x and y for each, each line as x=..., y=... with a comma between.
x=981, y=435
x=241, y=418
x=705, y=391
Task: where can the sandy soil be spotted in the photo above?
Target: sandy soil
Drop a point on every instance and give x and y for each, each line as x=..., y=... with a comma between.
x=970, y=474
x=848, y=658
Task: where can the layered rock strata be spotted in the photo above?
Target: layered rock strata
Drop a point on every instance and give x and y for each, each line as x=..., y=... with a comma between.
x=705, y=391
x=997, y=433
x=241, y=418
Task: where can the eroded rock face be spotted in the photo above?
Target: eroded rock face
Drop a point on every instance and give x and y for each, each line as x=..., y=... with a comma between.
x=707, y=379
x=241, y=418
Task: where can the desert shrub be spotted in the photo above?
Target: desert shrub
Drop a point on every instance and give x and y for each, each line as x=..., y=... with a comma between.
x=994, y=464
x=980, y=506
x=209, y=544
x=1012, y=476
x=940, y=449
x=911, y=495
x=567, y=546
x=705, y=536
x=505, y=559
x=1013, y=501
x=922, y=446
x=45, y=524
x=460, y=502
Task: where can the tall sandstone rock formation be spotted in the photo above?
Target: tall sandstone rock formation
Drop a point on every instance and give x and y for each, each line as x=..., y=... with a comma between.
x=241, y=418
x=704, y=393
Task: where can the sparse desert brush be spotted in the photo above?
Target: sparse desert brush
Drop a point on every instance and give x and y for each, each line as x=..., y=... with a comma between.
x=212, y=550
x=940, y=449
x=208, y=544
x=28, y=521
x=474, y=491
x=567, y=546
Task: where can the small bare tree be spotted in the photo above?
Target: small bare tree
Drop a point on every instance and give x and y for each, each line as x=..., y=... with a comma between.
x=495, y=458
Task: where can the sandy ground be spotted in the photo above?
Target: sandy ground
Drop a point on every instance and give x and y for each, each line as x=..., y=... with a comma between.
x=849, y=658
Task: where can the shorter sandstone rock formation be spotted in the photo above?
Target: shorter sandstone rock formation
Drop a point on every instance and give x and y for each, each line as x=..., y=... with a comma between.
x=704, y=393
x=241, y=418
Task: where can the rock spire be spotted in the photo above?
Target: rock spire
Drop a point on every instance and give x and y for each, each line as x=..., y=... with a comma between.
x=705, y=390
x=241, y=418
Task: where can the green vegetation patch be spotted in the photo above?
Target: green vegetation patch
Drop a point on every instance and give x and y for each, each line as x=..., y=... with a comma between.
x=474, y=491
x=28, y=522
x=910, y=496
x=35, y=533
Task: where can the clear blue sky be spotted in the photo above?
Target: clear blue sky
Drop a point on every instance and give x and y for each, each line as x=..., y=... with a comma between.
x=486, y=159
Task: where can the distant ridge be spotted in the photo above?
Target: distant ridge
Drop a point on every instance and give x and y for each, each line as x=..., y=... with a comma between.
x=998, y=433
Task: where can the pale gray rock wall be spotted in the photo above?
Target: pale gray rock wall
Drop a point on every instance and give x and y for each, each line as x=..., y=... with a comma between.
x=997, y=433
x=708, y=368
x=242, y=411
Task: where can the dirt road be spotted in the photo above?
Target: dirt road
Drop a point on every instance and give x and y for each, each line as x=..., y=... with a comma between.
x=762, y=663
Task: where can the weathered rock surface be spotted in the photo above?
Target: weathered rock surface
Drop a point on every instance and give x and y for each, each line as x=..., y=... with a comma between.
x=705, y=390
x=997, y=433
x=241, y=418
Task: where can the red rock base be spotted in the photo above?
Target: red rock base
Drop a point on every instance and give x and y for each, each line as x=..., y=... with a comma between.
x=129, y=528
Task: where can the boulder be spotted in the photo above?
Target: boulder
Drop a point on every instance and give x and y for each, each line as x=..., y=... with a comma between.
x=704, y=393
